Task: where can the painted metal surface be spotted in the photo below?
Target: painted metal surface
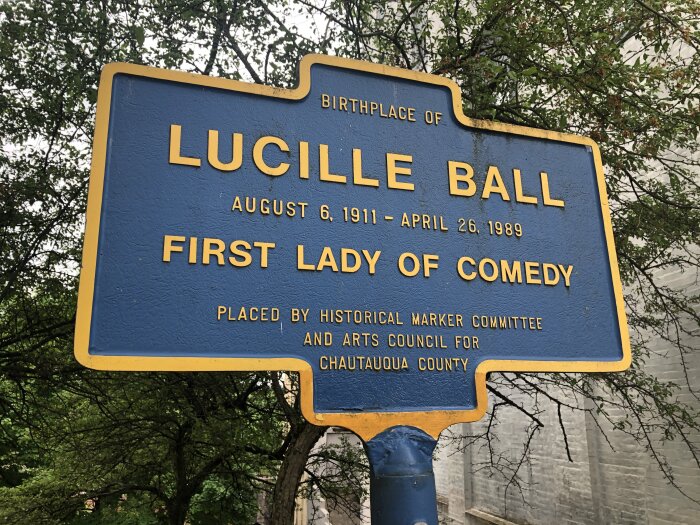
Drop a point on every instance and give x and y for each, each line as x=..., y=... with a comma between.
x=166, y=170
x=402, y=482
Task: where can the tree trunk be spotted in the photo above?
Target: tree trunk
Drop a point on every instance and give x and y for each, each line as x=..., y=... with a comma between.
x=177, y=511
x=287, y=484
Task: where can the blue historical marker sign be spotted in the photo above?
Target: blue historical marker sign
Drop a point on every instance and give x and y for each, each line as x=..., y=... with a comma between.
x=358, y=229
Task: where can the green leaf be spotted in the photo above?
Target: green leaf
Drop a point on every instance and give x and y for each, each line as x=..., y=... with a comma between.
x=140, y=34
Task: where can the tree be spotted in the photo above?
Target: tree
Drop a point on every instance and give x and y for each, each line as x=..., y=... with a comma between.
x=165, y=439
x=623, y=73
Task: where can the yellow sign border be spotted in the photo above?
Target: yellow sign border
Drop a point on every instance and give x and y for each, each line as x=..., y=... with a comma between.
x=366, y=424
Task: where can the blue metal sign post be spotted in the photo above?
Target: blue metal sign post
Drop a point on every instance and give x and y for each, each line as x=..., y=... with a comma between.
x=402, y=483
x=359, y=230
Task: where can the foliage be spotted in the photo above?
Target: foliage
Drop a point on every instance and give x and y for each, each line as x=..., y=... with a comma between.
x=623, y=72
x=156, y=441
